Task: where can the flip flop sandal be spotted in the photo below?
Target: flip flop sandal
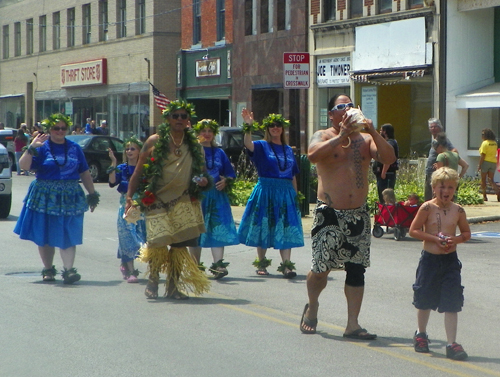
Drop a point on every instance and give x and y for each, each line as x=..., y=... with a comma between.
x=312, y=323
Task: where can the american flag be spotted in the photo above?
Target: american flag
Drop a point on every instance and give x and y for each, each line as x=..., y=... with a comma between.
x=161, y=99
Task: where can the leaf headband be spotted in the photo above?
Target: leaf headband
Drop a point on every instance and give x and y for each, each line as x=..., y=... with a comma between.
x=53, y=119
x=179, y=104
x=275, y=118
x=206, y=123
x=133, y=140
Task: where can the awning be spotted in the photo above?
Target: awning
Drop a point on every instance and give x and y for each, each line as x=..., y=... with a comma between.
x=388, y=77
x=11, y=95
x=488, y=96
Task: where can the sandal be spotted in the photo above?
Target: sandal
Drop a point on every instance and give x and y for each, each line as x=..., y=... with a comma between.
x=218, y=269
x=133, y=277
x=286, y=268
x=49, y=274
x=70, y=276
x=262, y=265
x=124, y=271
x=311, y=323
x=151, y=290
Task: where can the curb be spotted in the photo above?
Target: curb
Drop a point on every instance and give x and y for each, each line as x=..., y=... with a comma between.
x=480, y=219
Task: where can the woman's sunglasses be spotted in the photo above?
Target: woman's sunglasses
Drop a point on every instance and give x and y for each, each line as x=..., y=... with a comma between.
x=57, y=128
x=177, y=116
x=275, y=125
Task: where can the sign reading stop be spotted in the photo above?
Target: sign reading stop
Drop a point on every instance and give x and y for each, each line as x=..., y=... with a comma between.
x=296, y=70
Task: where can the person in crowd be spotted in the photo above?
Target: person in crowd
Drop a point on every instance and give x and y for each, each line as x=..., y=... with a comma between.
x=435, y=127
x=219, y=222
x=52, y=214
x=170, y=176
x=438, y=282
x=341, y=230
x=37, y=129
x=385, y=173
x=89, y=129
x=131, y=235
x=413, y=200
x=445, y=157
x=487, y=161
x=77, y=130
x=2, y=126
x=389, y=197
x=20, y=141
x=103, y=128
x=272, y=216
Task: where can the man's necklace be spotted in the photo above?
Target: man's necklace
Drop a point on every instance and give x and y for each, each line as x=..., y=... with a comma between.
x=284, y=157
x=54, y=156
x=177, y=150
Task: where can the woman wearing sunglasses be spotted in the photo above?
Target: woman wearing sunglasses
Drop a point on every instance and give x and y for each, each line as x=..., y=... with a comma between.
x=131, y=235
x=52, y=215
x=272, y=216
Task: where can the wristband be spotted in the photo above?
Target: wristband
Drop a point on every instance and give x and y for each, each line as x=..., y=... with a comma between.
x=93, y=199
x=112, y=169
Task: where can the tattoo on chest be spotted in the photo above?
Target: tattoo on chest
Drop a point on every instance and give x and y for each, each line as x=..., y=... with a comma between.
x=356, y=147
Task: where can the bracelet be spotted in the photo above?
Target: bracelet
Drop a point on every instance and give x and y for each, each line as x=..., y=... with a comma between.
x=93, y=199
x=250, y=127
x=112, y=169
x=31, y=150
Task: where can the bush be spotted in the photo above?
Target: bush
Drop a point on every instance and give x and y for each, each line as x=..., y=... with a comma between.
x=246, y=178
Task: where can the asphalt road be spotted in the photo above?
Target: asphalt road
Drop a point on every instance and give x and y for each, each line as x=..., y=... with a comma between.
x=247, y=325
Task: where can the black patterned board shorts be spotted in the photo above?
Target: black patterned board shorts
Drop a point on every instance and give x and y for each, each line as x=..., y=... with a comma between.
x=340, y=236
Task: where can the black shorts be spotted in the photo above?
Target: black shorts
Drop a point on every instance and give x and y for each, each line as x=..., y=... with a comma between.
x=439, y=284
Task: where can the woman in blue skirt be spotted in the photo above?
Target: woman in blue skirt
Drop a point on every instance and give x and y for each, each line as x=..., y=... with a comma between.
x=52, y=215
x=272, y=216
x=219, y=222
x=131, y=235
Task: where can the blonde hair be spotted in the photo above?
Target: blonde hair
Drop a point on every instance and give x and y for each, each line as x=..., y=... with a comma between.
x=444, y=174
x=389, y=196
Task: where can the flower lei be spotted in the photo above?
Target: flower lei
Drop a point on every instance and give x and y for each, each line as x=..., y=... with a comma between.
x=206, y=123
x=153, y=170
x=53, y=119
x=178, y=105
x=246, y=128
x=275, y=118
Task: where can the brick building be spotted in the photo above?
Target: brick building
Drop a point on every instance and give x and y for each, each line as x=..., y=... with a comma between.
x=87, y=59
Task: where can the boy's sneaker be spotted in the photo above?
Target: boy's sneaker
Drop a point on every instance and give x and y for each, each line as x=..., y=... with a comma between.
x=456, y=352
x=421, y=342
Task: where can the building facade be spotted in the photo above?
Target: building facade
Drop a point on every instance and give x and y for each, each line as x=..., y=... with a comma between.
x=87, y=59
x=386, y=55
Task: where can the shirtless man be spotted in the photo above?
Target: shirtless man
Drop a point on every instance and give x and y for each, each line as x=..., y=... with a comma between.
x=341, y=230
x=438, y=284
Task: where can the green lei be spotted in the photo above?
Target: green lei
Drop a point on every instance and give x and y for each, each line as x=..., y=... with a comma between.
x=153, y=170
x=53, y=119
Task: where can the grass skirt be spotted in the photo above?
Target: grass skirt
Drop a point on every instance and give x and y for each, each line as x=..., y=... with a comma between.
x=219, y=222
x=272, y=216
x=179, y=266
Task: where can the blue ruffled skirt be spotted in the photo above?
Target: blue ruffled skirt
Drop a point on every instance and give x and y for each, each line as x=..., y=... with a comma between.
x=130, y=236
x=52, y=213
x=272, y=216
x=219, y=222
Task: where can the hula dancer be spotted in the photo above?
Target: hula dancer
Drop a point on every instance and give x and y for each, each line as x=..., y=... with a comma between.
x=131, y=234
x=219, y=222
x=272, y=216
x=170, y=176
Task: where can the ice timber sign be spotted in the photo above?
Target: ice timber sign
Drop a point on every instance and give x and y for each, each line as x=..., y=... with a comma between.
x=84, y=73
x=295, y=70
x=333, y=71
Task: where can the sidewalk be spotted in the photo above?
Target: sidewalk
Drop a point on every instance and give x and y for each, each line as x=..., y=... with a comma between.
x=489, y=211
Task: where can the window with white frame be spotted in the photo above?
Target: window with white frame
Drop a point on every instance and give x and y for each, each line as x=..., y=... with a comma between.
x=415, y=3
x=356, y=9
x=86, y=23
x=283, y=14
x=42, y=33
x=329, y=10
x=250, y=17
x=103, y=20
x=17, y=39
x=196, y=22
x=122, y=19
x=384, y=6
x=221, y=20
x=56, y=30
x=266, y=16
x=29, y=36
x=140, y=17
x=70, y=28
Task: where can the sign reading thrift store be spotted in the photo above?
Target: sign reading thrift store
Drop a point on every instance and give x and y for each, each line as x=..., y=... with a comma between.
x=296, y=70
x=92, y=72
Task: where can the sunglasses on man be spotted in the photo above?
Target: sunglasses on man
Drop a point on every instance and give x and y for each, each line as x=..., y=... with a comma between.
x=342, y=106
x=177, y=116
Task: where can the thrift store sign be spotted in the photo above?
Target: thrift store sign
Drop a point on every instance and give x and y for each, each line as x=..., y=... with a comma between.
x=85, y=73
x=295, y=70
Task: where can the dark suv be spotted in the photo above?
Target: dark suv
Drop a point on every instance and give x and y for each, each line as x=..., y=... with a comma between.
x=230, y=139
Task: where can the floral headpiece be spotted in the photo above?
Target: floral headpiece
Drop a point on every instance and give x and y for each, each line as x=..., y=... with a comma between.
x=206, y=123
x=133, y=140
x=179, y=104
x=275, y=118
x=52, y=120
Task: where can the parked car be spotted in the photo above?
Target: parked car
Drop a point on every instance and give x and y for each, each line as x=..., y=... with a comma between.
x=5, y=183
x=7, y=139
x=230, y=139
x=95, y=149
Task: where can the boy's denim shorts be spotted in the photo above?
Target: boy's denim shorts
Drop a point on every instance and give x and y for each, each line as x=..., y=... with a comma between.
x=439, y=284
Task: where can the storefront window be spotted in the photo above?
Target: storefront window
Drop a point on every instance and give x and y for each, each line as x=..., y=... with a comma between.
x=480, y=119
x=12, y=111
x=324, y=96
x=129, y=115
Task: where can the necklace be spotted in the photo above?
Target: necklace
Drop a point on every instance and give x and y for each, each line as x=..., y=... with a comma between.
x=54, y=156
x=212, y=152
x=277, y=159
x=177, y=150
